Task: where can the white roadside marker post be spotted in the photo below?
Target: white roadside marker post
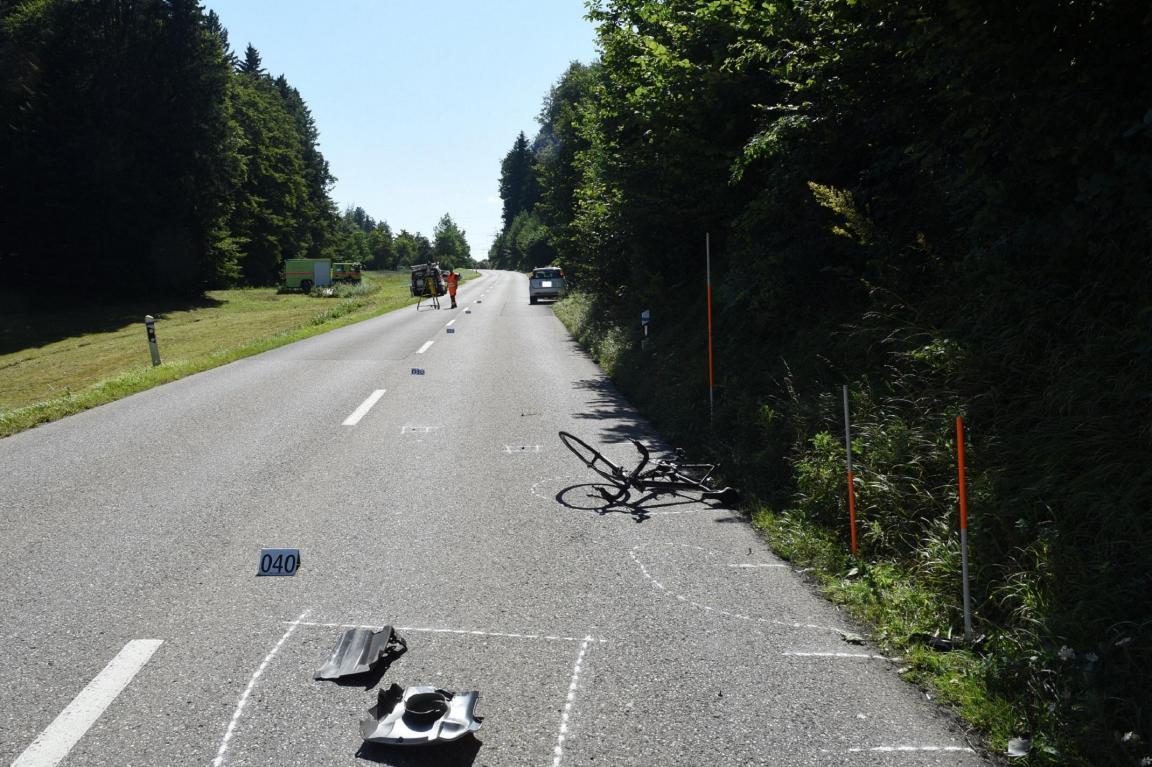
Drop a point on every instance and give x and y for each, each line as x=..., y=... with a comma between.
x=150, y=325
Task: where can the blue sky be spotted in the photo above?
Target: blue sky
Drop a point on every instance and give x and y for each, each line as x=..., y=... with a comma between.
x=417, y=101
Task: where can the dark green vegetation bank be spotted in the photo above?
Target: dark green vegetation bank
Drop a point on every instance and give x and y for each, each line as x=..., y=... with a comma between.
x=139, y=155
x=946, y=206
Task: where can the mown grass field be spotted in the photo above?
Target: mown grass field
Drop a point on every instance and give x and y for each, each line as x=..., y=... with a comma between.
x=57, y=362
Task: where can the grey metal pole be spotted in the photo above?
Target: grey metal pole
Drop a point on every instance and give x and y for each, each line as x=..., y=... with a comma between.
x=150, y=324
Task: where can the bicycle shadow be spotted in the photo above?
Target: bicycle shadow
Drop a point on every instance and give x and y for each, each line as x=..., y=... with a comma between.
x=640, y=506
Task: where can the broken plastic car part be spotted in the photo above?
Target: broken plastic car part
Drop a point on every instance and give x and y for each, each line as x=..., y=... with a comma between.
x=358, y=650
x=414, y=716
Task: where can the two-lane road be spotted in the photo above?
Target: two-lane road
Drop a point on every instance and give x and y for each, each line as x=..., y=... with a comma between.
x=441, y=502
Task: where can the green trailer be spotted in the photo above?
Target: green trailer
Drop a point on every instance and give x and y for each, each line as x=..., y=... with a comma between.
x=307, y=273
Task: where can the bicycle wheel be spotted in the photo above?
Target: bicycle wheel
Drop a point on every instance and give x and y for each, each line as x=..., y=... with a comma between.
x=591, y=458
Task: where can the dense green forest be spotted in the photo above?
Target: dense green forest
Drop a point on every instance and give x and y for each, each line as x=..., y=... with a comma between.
x=945, y=205
x=141, y=155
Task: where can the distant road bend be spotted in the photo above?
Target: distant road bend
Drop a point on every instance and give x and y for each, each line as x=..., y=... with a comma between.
x=136, y=632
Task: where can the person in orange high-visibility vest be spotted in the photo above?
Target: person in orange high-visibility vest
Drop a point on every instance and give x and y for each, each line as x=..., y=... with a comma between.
x=453, y=280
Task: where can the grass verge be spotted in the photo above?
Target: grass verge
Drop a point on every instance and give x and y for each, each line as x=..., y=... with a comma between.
x=56, y=363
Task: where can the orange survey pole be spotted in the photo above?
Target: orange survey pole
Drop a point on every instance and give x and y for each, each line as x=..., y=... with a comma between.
x=851, y=483
x=963, y=528
x=711, y=384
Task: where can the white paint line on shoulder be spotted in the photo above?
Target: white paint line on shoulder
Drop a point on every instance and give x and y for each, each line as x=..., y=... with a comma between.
x=755, y=564
x=365, y=406
x=902, y=749
x=835, y=655
x=424, y=348
x=58, y=738
x=219, y=760
x=558, y=751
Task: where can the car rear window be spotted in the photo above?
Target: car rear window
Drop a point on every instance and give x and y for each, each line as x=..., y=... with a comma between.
x=547, y=274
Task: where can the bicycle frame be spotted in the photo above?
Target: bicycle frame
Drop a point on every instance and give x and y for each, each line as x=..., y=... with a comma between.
x=664, y=477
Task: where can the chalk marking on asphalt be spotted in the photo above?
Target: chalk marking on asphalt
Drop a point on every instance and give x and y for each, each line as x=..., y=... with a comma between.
x=58, y=738
x=418, y=629
x=219, y=760
x=902, y=749
x=365, y=406
x=755, y=564
x=559, y=749
x=413, y=429
x=835, y=655
x=424, y=348
x=710, y=608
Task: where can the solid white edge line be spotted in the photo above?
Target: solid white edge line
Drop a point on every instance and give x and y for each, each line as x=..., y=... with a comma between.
x=754, y=564
x=424, y=348
x=219, y=760
x=54, y=743
x=902, y=749
x=835, y=655
x=365, y=406
x=558, y=750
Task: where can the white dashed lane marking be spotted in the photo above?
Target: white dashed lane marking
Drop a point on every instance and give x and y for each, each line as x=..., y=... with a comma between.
x=365, y=406
x=58, y=738
x=424, y=348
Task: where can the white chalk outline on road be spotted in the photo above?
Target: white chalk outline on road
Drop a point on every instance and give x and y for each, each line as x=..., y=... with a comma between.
x=573, y=684
x=219, y=760
x=709, y=608
x=416, y=629
x=558, y=751
x=425, y=347
x=58, y=738
x=365, y=406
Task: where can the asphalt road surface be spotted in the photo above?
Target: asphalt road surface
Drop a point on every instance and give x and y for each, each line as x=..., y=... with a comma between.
x=134, y=630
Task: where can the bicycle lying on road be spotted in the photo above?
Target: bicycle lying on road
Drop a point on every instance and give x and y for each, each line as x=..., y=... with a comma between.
x=654, y=477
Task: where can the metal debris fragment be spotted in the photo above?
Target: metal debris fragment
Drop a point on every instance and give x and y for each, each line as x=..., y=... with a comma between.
x=415, y=716
x=359, y=649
